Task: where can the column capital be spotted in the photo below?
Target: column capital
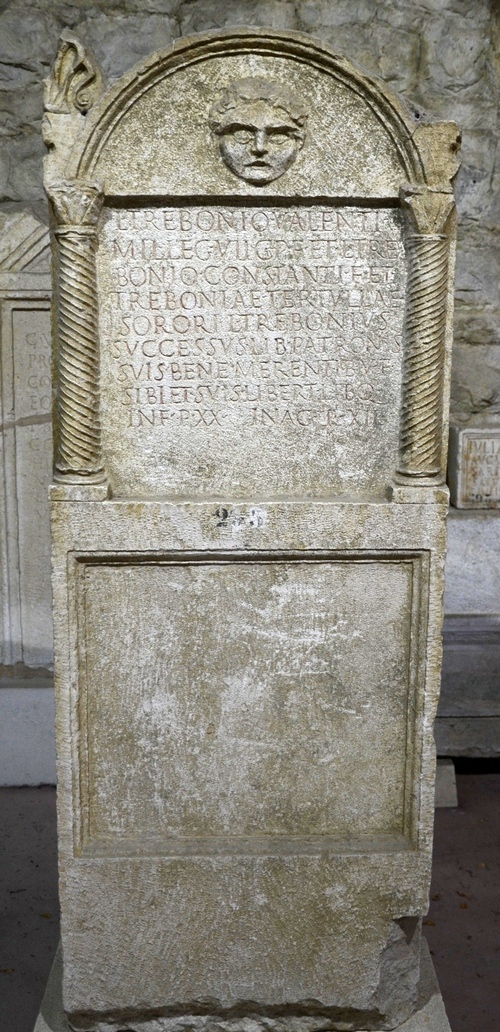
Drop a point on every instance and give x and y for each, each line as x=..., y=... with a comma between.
x=77, y=203
x=427, y=210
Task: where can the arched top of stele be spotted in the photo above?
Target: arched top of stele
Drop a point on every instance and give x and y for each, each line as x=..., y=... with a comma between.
x=149, y=134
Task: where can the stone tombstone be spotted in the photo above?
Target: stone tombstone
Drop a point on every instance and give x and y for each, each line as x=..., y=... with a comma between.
x=25, y=443
x=474, y=466
x=254, y=255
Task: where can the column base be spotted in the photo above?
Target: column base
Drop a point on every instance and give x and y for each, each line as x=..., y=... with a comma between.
x=430, y=1016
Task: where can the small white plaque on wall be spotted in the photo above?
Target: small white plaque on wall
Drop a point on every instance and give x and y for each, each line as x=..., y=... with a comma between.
x=474, y=467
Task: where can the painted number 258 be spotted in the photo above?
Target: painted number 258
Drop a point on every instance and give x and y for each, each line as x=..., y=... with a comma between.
x=233, y=518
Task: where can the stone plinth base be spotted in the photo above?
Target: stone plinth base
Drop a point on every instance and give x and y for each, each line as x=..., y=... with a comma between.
x=27, y=748
x=430, y=1017
x=446, y=784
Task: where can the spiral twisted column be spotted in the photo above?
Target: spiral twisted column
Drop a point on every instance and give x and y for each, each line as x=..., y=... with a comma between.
x=78, y=453
x=427, y=244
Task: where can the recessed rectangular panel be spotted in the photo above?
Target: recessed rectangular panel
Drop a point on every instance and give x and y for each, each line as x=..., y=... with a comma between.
x=33, y=405
x=256, y=698
x=26, y=448
x=236, y=341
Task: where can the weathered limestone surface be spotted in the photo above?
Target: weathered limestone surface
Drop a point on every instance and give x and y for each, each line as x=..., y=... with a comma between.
x=254, y=245
x=442, y=56
x=430, y=1016
x=254, y=317
x=25, y=443
x=472, y=563
x=26, y=650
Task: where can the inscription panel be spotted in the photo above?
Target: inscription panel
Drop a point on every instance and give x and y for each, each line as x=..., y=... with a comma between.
x=227, y=713
x=247, y=349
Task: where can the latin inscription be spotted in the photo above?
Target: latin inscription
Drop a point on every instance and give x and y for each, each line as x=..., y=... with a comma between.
x=253, y=332
x=482, y=468
x=37, y=377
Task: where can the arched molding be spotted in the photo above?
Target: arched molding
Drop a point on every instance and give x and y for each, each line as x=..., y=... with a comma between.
x=411, y=138
x=420, y=163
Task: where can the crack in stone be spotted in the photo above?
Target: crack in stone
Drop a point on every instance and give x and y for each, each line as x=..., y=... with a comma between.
x=26, y=421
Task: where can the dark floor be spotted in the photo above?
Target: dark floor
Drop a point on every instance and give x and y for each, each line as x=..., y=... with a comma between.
x=29, y=914
x=463, y=927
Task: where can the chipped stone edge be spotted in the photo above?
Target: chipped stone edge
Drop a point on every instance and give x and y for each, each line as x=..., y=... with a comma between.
x=430, y=1017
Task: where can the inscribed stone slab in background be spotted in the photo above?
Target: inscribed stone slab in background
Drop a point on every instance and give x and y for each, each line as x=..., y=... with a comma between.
x=255, y=258
x=474, y=467
x=26, y=443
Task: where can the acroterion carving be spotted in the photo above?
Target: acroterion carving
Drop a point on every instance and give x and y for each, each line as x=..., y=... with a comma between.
x=260, y=127
x=75, y=81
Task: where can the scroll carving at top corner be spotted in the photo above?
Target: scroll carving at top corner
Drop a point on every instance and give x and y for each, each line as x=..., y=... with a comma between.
x=75, y=81
x=427, y=210
x=260, y=127
x=76, y=203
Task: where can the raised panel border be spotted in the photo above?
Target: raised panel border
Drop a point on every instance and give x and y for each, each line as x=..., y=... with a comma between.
x=78, y=563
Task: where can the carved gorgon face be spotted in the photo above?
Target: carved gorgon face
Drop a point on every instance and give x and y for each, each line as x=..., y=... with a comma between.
x=259, y=142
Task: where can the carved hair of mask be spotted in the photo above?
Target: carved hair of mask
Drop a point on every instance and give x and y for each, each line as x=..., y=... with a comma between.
x=260, y=126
